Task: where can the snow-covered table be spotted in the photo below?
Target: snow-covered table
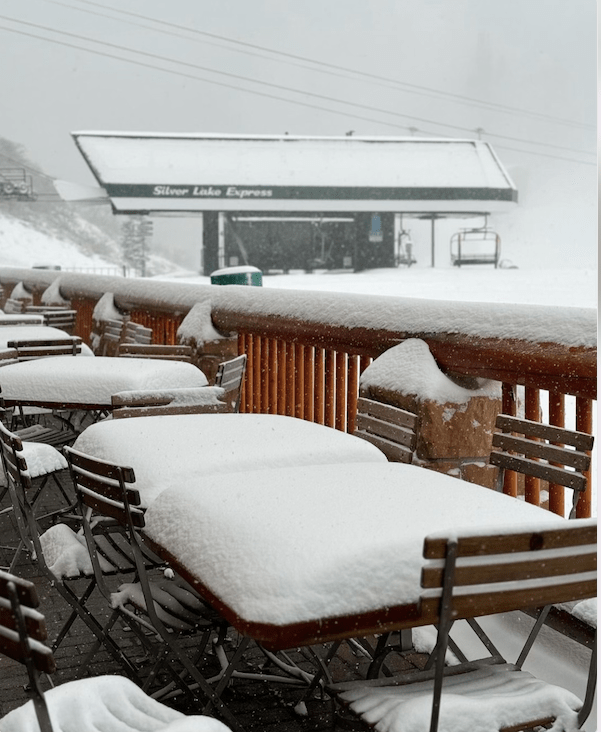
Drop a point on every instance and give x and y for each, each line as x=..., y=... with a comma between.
x=36, y=333
x=89, y=383
x=295, y=556
x=185, y=449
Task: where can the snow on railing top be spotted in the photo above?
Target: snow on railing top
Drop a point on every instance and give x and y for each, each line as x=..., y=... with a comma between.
x=567, y=326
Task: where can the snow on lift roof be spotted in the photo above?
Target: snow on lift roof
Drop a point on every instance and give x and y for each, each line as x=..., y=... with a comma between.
x=202, y=172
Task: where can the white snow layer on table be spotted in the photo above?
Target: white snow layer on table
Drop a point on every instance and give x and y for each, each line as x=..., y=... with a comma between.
x=171, y=449
x=489, y=700
x=410, y=368
x=93, y=382
x=106, y=703
x=286, y=545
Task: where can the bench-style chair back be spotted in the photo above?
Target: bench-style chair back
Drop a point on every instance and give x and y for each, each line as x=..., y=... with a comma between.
x=55, y=316
x=230, y=375
x=390, y=428
x=135, y=333
x=169, y=353
x=554, y=454
x=109, y=337
x=472, y=575
x=185, y=400
x=31, y=349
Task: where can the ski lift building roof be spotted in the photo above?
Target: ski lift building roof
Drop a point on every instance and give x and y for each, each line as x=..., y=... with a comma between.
x=171, y=173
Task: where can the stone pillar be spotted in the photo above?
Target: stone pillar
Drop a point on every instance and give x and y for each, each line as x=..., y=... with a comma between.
x=456, y=416
x=210, y=347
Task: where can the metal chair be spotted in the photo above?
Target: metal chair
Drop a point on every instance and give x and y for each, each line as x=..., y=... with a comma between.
x=550, y=453
x=389, y=428
x=103, y=703
x=467, y=576
x=155, y=608
x=230, y=375
x=42, y=463
x=57, y=551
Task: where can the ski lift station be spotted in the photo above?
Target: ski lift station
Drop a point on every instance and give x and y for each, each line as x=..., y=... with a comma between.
x=286, y=202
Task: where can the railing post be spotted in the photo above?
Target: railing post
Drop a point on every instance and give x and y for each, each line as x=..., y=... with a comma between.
x=509, y=406
x=584, y=423
x=557, y=414
x=532, y=412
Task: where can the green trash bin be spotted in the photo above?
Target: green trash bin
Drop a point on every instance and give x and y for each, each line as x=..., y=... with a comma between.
x=243, y=275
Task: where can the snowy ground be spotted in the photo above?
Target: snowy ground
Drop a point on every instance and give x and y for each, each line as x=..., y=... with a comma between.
x=569, y=287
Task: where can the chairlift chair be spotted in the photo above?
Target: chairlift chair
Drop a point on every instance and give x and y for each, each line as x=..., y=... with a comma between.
x=475, y=246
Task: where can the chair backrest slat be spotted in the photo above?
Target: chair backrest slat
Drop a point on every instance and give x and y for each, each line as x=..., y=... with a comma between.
x=389, y=428
x=18, y=597
x=164, y=352
x=30, y=349
x=580, y=440
x=135, y=333
x=230, y=375
x=501, y=572
x=104, y=487
x=557, y=455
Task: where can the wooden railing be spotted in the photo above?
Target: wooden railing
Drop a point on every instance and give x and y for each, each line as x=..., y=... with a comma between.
x=306, y=351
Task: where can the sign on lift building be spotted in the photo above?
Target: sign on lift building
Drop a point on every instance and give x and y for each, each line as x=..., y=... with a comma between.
x=246, y=177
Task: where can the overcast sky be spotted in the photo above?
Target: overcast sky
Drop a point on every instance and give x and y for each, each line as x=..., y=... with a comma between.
x=519, y=73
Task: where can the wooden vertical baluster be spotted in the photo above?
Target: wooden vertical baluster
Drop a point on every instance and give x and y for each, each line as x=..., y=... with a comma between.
x=330, y=388
x=509, y=406
x=584, y=423
x=557, y=415
x=532, y=412
x=352, y=392
x=320, y=399
x=309, y=396
x=250, y=372
x=341, y=378
x=299, y=386
x=265, y=406
x=282, y=383
x=272, y=376
x=257, y=346
x=290, y=379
